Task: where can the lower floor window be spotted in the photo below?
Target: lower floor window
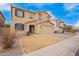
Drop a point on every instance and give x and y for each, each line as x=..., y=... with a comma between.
x=19, y=26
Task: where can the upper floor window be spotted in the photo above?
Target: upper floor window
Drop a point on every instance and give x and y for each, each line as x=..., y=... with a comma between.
x=19, y=13
x=31, y=17
x=40, y=16
x=48, y=16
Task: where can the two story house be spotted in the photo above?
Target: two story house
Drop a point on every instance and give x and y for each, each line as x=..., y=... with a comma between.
x=35, y=22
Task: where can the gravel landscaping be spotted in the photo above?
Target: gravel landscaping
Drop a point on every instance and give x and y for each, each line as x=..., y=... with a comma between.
x=32, y=43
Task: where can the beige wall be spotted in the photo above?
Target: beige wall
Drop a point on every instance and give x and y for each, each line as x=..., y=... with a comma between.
x=33, y=23
x=44, y=16
x=23, y=20
x=46, y=28
x=62, y=24
x=55, y=24
x=39, y=28
x=26, y=17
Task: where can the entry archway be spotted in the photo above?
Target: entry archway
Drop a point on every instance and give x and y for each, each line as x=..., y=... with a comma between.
x=32, y=29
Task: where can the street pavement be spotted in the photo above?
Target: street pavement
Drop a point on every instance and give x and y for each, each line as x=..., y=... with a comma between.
x=68, y=47
x=65, y=35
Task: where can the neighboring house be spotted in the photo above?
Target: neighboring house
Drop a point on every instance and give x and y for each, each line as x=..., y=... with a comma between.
x=2, y=23
x=68, y=28
x=2, y=20
x=58, y=26
x=35, y=22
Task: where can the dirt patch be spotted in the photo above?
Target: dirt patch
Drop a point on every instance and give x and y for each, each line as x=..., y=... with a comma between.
x=32, y=43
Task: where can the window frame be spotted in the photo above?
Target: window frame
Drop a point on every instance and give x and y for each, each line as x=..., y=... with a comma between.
x=19, y=26
x=16, y=14
x=31, y=17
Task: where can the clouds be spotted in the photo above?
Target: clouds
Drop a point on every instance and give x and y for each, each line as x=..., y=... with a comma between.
x=77, y=24
x=4, y=6
x=5, y=9
x=71, y=9
x=70, y=6
x=72, y=13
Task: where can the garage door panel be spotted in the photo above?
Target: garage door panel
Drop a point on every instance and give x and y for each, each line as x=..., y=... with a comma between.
x=46, y=29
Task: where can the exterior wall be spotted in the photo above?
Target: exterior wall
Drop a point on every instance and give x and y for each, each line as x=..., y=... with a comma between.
x=44, y=17
x=61, y=24
x=28, y=24
x=46, y=28
x=55, y=24
x=58, y=25
x=16, y=19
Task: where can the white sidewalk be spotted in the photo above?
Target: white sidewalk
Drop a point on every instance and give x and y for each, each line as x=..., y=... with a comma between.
x=66, y=47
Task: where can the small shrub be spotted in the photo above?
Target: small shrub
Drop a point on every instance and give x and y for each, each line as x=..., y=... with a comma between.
x=28, y=33
x=8, y=39
x=55, y=31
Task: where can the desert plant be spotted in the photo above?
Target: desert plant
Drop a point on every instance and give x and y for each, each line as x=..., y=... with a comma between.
x=28, y=33
x=55, y=31
x=8, y=39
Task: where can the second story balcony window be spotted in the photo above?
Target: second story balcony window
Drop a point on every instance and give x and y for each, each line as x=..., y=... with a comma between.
x=19, y=13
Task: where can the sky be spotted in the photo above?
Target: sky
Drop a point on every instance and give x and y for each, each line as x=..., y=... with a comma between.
x=68, y=12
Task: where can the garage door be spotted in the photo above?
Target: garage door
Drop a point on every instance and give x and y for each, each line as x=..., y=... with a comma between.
x=46, y=29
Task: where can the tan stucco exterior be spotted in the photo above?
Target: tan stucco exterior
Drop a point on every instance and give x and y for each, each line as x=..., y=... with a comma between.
x=41, y=26
x=58, y=25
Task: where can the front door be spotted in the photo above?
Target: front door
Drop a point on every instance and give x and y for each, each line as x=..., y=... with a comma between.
x=32, y=29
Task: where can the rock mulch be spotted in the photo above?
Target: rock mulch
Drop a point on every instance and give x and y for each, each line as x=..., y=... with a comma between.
x=32, y=43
